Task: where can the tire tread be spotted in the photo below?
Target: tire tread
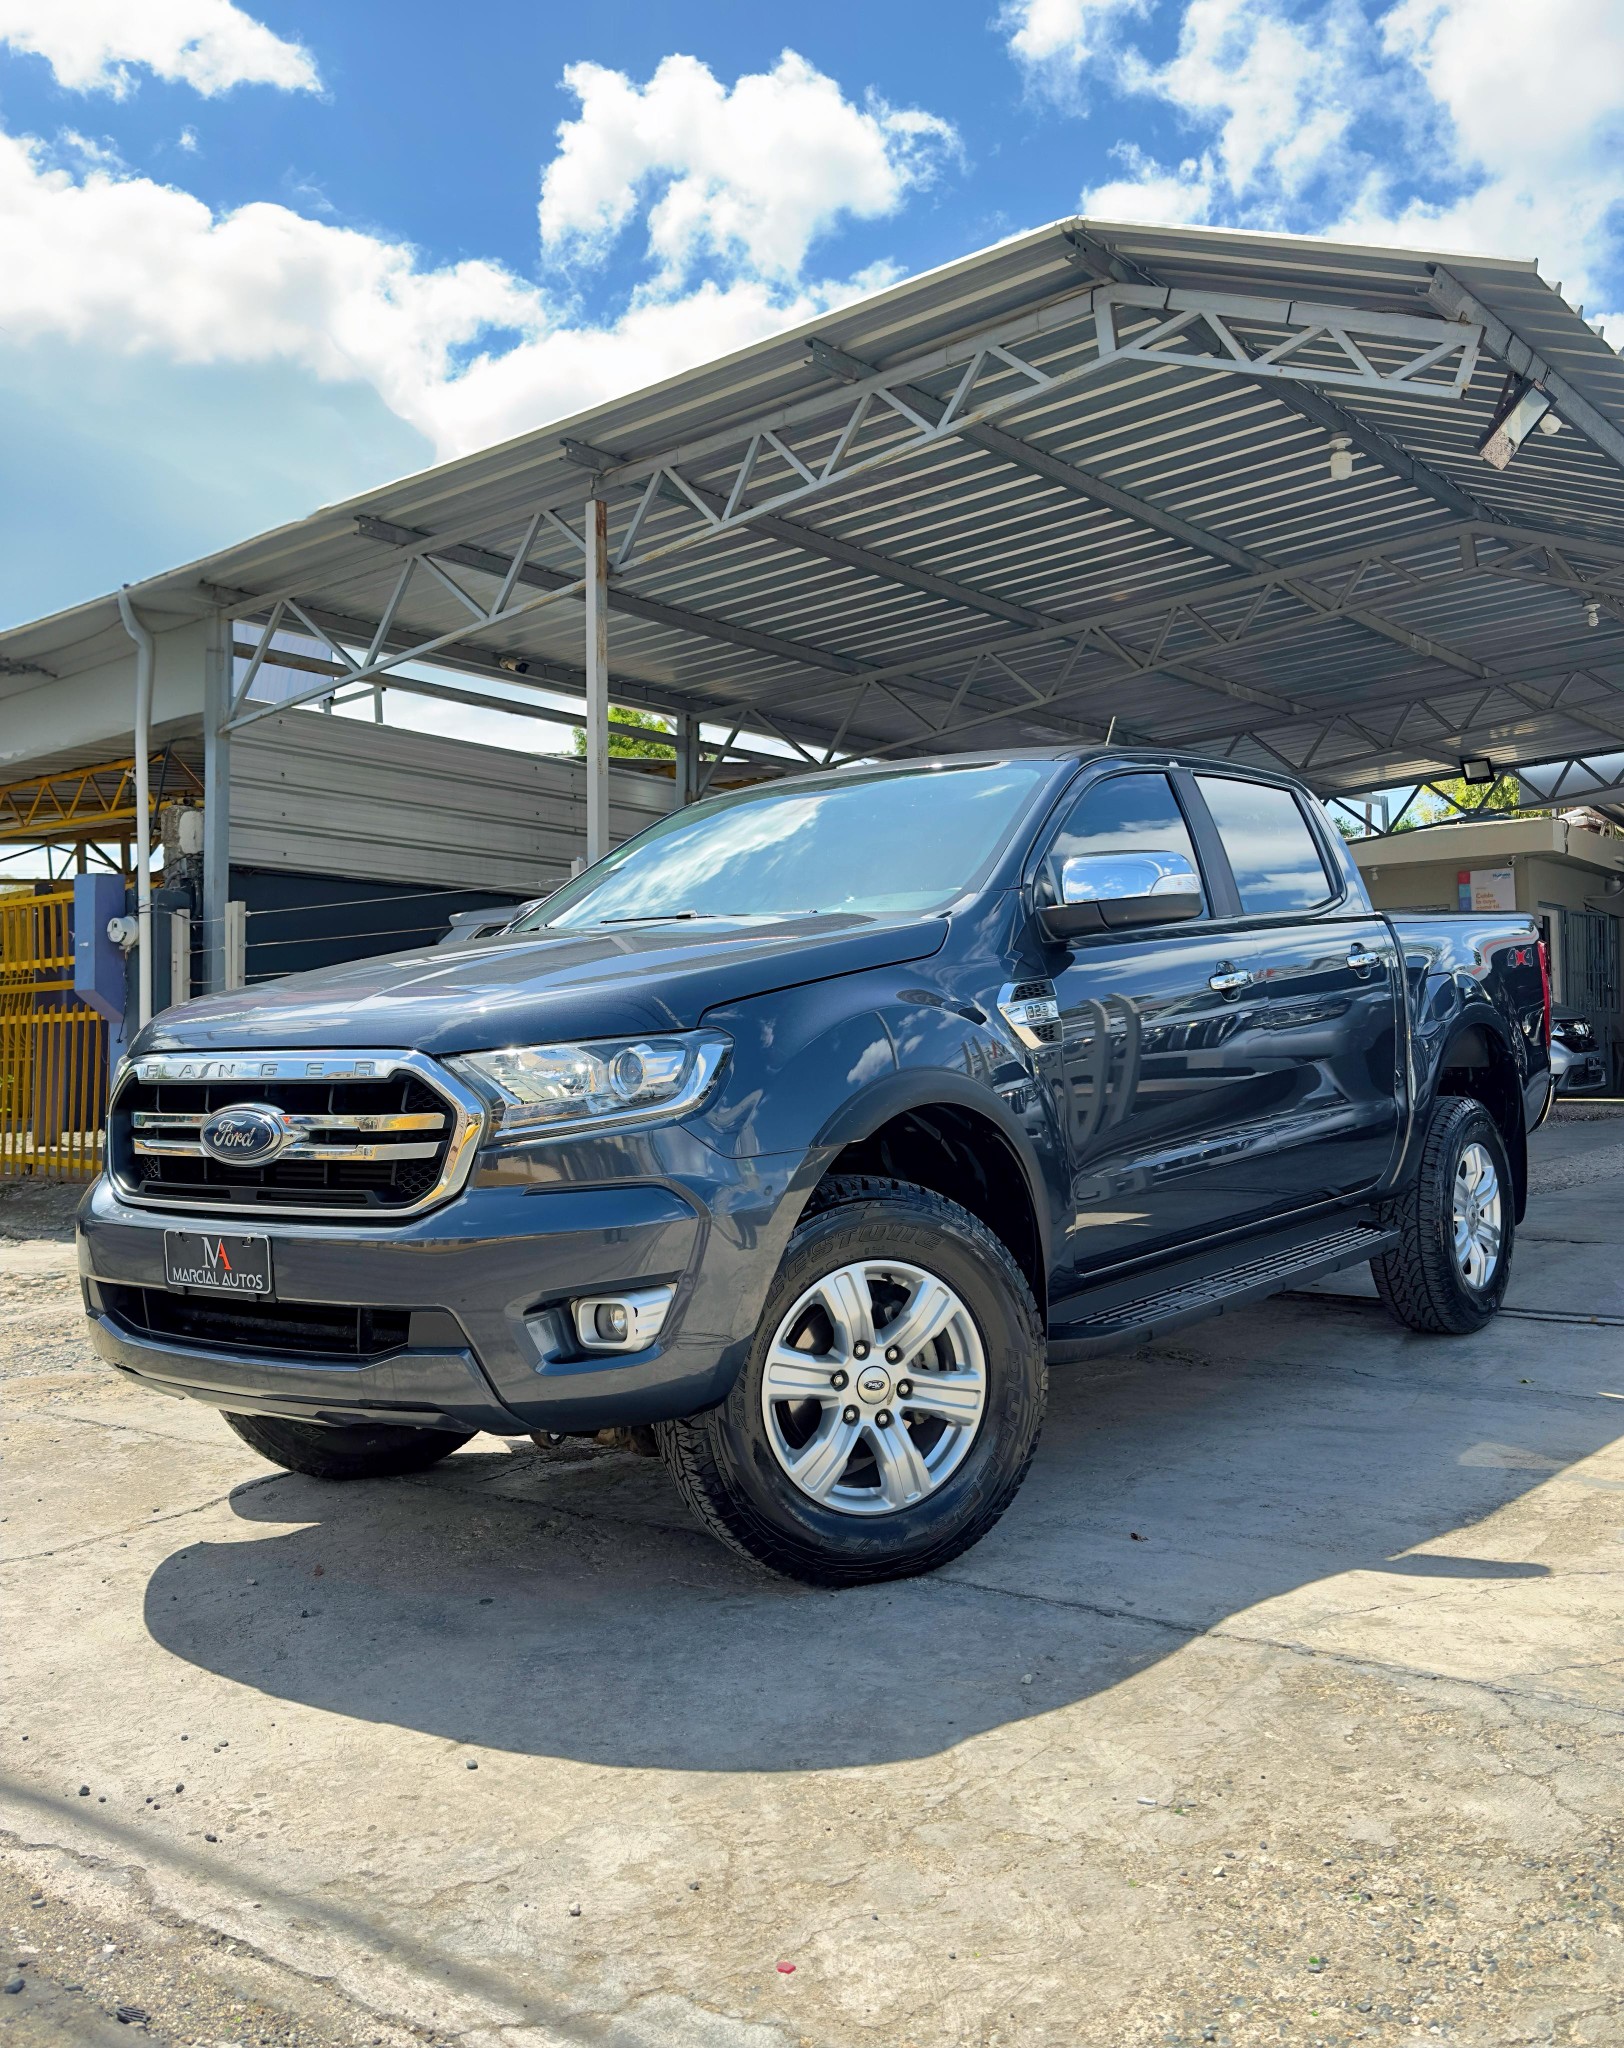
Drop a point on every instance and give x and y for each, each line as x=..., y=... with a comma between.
x=1416, y=1280
x=322, y=1450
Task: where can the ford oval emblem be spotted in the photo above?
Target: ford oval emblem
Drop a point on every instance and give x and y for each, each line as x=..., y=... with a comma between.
x=246, y=1134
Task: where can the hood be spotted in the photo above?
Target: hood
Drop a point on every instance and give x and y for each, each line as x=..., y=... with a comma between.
x=537, y=987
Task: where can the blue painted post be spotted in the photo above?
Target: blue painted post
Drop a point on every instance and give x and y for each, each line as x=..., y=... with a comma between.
x=100, y=968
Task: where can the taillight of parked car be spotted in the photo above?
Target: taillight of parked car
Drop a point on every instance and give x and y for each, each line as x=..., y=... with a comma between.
x=1545, y=989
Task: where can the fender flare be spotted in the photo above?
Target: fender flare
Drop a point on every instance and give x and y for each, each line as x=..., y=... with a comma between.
x=1482, y=1017
x=922, y=1088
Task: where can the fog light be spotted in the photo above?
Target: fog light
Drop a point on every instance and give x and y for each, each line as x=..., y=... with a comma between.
x=622, y=1322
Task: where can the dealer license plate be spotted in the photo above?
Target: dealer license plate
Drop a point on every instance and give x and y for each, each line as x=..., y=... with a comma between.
x=227, y=1264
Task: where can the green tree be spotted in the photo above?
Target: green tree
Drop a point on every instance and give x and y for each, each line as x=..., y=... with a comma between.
x=1434, y=809
x=622, y=743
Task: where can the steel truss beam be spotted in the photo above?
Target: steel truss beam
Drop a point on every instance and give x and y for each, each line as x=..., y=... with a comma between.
x=1275, y=602
x=339, y=633
x=1011, y=448
x=1302, y=342
x=811, y=447
x=484, y=700
x=742, y=475
x=87, y=803
x=1502, y=340
x=531, y=575
x=1421, y=789
x=1238, y=614
x=1313, y=405
x=1577, y=779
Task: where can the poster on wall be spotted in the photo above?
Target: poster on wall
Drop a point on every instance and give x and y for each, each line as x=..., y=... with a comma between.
x=1490, y=889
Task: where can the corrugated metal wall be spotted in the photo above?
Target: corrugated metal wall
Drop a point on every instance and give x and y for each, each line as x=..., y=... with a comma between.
x=335, y=797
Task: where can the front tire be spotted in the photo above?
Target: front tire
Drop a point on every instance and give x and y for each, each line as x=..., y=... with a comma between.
x=363, y=1450
x=1448, y=1274
x=841, y=1458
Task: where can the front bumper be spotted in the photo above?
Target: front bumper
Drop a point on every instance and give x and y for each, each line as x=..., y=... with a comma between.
x=522, y=1239
x=1577, y=1073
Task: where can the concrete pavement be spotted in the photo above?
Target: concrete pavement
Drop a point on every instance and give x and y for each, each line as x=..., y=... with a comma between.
x=1286, y=1705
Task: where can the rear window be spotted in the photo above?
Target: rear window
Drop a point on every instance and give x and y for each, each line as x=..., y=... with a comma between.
x=1275, y=856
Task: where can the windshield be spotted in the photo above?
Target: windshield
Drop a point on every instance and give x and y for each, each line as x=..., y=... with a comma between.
x=888, y=844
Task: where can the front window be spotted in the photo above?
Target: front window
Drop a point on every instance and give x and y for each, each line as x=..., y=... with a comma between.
x=1125, y=814
x=893, y=843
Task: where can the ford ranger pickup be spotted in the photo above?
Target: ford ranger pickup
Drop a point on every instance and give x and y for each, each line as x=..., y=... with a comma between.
x=801, y=1134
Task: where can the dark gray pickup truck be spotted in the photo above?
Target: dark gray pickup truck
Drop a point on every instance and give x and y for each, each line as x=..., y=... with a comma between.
x=799, y=1136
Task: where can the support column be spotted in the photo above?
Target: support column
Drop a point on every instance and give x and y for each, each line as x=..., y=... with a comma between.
x=687, y=759
x=216, y=801
x=597, y=679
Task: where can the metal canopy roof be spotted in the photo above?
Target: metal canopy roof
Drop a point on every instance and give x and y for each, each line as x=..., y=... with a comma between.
x=1079, y=483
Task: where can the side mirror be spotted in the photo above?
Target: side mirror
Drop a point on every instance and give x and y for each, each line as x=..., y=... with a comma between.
x=468, y=927
x=1102, y=892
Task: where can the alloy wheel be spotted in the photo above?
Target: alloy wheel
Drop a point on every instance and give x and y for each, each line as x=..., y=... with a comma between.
x=1477, y=1217
x=874, y=1386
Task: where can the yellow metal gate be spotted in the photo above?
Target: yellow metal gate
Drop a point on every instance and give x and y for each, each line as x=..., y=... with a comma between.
x=53, y=1048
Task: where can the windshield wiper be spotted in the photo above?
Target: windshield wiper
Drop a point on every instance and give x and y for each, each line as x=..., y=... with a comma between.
x=662, y=917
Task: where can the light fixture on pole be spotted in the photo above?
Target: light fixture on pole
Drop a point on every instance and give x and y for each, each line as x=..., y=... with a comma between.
x=1523, y=406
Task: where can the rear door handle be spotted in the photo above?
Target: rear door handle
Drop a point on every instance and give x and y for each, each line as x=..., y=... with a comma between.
x=1231, y=979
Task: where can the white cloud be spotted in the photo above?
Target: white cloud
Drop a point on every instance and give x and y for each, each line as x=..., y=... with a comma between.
x=1532, y=109
x=210, y=45
x=563, y=367
x=466, y=353
x=1278, y=89
x=1463, y=124
x=129, y=265
x=749, y=174
x=1174, y=196
x=1057, y=42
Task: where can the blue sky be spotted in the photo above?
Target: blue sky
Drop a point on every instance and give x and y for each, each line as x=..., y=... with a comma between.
x=259, y=257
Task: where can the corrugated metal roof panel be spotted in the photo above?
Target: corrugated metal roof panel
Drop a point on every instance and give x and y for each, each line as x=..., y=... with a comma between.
x=1026, y=583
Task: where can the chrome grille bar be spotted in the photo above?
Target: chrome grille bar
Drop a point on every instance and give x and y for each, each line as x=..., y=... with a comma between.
x=194, y=1119
x=442, y=1146
x=301, y=1148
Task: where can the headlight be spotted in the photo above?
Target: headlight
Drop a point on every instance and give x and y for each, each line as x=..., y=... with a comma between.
x=543, y=1091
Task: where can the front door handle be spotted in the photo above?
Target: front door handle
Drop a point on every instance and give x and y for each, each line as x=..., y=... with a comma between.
x=1361, y=959
x=1229, y=981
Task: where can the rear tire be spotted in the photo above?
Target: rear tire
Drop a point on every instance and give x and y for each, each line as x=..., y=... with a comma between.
x=1448, y=1274
x=821, y=1472
x=364, y=1450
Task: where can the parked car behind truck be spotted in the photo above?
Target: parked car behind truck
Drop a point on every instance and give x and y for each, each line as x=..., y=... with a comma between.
x=809, y=1126
x=1578, y=1063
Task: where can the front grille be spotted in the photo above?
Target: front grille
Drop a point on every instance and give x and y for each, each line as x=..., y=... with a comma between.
x=287, y=1328
x=373, y=1144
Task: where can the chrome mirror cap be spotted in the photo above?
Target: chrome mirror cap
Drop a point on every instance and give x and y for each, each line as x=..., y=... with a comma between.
x=1117, y=891
x=1109, y=877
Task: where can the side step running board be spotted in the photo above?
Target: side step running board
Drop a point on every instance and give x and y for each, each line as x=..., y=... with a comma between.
x=1150, y=1314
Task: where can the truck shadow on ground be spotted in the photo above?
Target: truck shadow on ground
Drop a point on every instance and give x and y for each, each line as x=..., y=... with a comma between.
x=570, y=1609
